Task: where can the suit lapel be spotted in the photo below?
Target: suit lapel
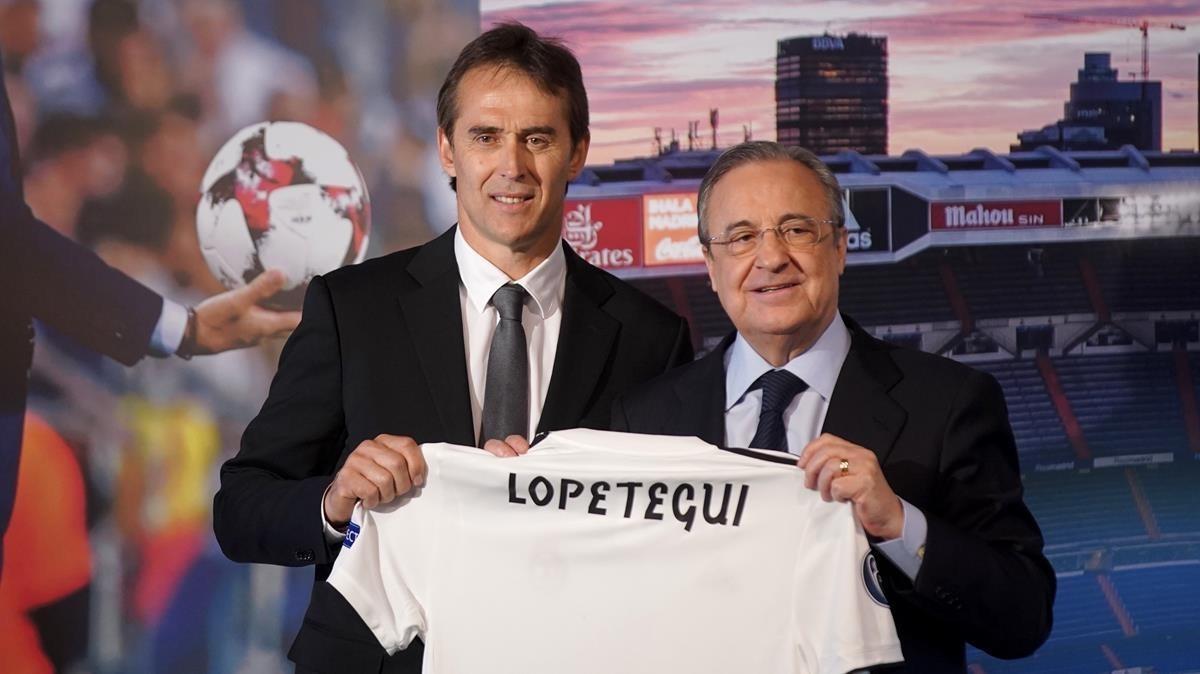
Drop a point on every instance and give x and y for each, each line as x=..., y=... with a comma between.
x=586, y=339
x=861, y=411
x=434, y=320
x=701, y=394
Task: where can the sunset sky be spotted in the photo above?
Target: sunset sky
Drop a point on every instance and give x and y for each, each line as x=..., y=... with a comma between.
x=965, y=74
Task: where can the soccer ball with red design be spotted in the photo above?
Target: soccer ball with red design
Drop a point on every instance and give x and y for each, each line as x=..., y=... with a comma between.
x=282, y=195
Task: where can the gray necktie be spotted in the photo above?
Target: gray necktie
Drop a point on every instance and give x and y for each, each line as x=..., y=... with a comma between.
x=506, y=390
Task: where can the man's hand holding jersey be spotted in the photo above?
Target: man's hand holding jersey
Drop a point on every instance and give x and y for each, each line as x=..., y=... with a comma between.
x=513, y=445
x=381, y=470
x=848, y=473
x=376, y=472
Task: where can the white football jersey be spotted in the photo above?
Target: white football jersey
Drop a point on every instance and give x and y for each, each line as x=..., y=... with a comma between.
x=613, y=552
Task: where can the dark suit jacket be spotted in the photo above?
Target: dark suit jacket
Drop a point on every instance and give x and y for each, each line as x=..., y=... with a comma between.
x=941, y=432
x=380, y=350
x=51, y=278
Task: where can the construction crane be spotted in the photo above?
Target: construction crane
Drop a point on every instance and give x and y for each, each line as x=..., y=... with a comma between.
x=1143, y=26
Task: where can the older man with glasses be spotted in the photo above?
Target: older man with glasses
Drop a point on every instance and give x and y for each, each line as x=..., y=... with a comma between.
x=918, y=445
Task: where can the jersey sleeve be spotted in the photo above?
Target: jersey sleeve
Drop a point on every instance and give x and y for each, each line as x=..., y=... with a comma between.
x=853, y=626
x=384, y=571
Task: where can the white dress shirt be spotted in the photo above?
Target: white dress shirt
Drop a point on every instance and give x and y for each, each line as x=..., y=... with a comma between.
x=168, y=331
x=541, y=318
x=804, y=417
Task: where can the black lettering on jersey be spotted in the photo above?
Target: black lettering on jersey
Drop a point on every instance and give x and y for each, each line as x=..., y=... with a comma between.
x=684, y=498
x=630, y=486
x=547, y=488
x=719, y=518
x=688, y=516
x=655, y=501
x=512, y=489
x=594, y=506
x=568, y=489
x=737, y=514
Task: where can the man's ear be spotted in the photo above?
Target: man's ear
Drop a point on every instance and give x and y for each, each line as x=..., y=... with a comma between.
x=446, y=153
x=579, y=152
x=843, y=245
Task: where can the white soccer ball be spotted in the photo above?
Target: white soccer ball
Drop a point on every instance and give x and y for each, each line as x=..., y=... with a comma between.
x=282, y=195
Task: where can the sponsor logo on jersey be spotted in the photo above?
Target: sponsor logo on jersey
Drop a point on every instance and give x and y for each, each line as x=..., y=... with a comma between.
x=873, y=580
x=351, y=535
x=717, y=504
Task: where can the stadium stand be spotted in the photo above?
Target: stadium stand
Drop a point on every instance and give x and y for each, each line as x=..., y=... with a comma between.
x=1170, y=652
x=1082, y=507
x=1161, y=595
x=1174, y=493
x=1081, y=610
x=1113, y=396
x=1040, y=435
x=907, y=292
x=1148, y=274
x=1011, y=281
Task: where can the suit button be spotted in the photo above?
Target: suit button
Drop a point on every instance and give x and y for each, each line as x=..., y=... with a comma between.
x=305, y=556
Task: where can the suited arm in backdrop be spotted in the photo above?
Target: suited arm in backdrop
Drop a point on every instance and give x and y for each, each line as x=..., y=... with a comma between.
x=46, y=271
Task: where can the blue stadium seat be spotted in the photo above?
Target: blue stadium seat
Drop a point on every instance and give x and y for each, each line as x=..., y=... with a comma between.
x=1126, y=403
x=1040, y=435
x=1159, y=597
x=1083, y=507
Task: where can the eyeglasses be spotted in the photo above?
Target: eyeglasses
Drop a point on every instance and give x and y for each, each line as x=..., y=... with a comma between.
x=801, y=233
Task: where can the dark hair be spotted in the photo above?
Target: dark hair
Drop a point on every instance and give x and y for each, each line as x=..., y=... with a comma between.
x=60, y=133
x=545, y=60
x=765, y=150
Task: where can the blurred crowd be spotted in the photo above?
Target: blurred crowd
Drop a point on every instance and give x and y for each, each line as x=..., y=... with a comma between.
x=119, y=106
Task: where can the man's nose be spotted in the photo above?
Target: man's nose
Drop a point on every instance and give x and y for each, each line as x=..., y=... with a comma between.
x=772, y=252
x=513, y=161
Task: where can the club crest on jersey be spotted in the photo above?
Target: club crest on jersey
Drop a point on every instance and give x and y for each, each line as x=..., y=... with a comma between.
x=352, y=531
x=873, y=580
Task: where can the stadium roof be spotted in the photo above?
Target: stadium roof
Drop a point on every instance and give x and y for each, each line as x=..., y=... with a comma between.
x=980, y=173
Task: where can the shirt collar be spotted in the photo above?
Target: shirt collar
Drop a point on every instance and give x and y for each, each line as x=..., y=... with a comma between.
x=481, y=278
x=819, y=366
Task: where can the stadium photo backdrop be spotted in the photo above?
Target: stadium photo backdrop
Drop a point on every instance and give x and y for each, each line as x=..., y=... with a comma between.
x=1021, y=196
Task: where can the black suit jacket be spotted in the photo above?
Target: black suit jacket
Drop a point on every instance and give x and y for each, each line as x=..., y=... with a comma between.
x=51, y=278
x=380, y=350
x=941, y=432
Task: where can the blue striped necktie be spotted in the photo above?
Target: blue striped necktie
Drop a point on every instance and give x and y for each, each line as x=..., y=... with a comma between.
x=778, y=389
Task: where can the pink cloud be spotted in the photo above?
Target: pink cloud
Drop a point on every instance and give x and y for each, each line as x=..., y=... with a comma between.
x=959, y=72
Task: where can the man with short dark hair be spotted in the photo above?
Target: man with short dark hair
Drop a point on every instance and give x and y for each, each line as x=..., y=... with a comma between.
x=918, y=445
x=487, y=334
